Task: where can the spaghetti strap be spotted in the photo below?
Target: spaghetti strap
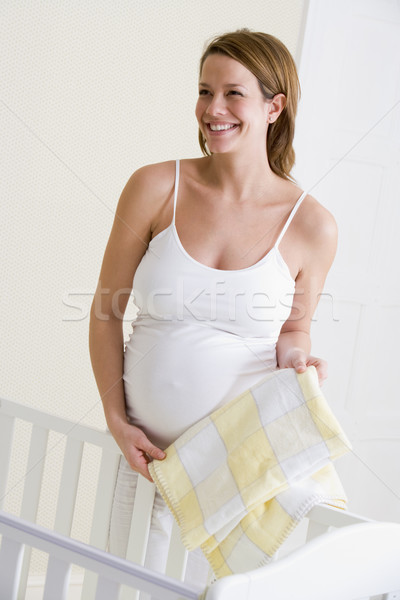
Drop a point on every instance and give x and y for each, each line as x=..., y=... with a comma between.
x=176, y=187
x=289, y=220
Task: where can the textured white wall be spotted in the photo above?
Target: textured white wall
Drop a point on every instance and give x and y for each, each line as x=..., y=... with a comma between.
x=89, y=91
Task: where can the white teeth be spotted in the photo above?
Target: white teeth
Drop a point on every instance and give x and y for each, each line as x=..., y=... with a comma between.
x=215, y=127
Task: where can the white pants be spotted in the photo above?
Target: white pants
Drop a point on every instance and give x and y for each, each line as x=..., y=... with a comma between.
x=160, y=529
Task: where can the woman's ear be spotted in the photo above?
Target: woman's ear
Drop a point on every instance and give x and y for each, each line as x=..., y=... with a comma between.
x=275, y=107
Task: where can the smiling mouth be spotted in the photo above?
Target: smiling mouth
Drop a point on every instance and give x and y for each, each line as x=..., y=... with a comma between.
x=218, y=127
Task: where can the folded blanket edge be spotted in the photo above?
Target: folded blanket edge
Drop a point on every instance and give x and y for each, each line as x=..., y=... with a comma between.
x=302, y=512
x=163, y=488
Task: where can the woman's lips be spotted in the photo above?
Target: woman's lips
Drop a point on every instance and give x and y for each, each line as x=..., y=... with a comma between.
x=221, y=128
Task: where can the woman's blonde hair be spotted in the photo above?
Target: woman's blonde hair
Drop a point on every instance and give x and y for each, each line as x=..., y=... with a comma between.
x=272, y=64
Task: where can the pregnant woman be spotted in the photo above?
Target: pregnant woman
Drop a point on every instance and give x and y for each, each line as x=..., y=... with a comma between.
x=226, y=257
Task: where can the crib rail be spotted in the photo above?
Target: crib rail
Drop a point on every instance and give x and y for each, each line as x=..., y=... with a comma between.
x=352, y=562
x=356, y=562
x=63, y=552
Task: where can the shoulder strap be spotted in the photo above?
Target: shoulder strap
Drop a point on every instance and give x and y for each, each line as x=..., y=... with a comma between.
x=176, y=187
x=289, y=220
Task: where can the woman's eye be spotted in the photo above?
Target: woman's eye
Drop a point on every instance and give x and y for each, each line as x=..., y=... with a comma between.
x=235, y=93
x=203, y=92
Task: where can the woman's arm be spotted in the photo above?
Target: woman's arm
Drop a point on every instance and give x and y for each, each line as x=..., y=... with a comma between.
x=318, y=231
x=137, y=210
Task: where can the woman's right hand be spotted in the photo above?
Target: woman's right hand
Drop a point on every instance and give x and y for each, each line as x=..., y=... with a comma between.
x=137, y=449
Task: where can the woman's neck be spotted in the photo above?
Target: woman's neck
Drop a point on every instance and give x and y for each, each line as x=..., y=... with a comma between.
x=241, y=177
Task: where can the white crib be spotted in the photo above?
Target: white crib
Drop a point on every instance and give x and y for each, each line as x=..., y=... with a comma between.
x=345, y=557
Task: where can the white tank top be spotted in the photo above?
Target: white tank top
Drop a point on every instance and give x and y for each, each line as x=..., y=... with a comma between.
x=202, y=335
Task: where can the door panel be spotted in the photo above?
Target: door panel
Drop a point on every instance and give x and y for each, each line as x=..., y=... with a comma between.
x=348, y=156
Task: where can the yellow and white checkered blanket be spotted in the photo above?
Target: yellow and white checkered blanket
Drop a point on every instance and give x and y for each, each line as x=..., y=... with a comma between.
x=240, y=480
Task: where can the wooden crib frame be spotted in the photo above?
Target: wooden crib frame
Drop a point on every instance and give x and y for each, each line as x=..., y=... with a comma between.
x=358, y=560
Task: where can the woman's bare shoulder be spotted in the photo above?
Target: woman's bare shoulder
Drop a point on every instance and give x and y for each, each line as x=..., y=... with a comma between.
x=147, y=189
x=158, y=177
x=317, y=219
x=157, y=180
x=144, y=195
x=318, y=226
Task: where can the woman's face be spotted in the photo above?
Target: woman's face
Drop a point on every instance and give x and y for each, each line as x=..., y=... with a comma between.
x=231, y=110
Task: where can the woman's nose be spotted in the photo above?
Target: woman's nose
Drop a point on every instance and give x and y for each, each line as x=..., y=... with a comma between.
x=217, y=105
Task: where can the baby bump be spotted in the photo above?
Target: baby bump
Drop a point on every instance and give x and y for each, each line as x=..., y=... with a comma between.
x=174, y=379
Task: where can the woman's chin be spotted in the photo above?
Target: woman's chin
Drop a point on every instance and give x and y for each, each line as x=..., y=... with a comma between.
x=219, y=147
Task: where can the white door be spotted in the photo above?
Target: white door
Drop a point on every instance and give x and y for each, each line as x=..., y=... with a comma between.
x=348, y=156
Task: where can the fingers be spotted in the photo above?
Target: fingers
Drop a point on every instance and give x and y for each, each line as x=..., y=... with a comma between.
x=299, y=361
x=145, y=472
x=142, y=443
x=140, y=451
x=322, y=371
x=138, y=461
x=300, y=366
x=321, y=365
x=153, y=451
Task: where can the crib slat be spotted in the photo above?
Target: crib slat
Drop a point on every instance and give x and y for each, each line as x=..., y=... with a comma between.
x=89, y=585
x=104, y=499
x=107, y=590
x=68, y=486
x=34, y=473
x=11, y=555
x=140, y=528
x=101, y=514
x=6, y=437
x=141, y=519
x=32, y=486
x=177, y=555
x=57, y=579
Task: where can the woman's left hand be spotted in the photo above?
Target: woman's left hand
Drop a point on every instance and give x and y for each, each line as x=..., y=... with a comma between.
x=300, y=361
